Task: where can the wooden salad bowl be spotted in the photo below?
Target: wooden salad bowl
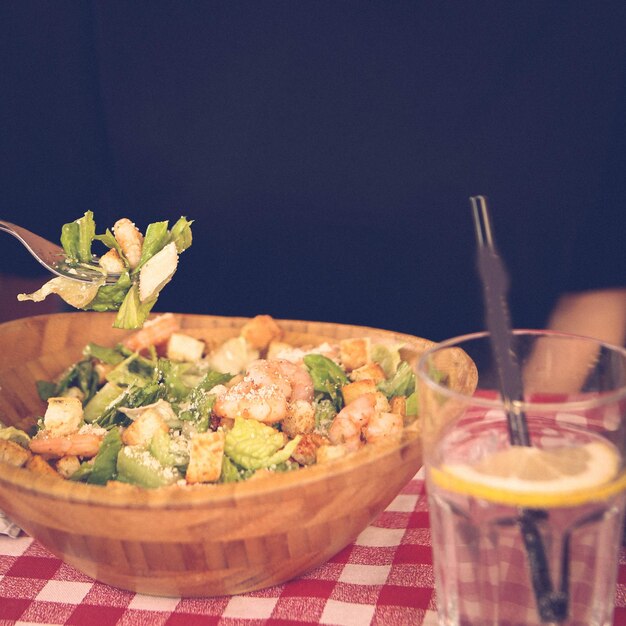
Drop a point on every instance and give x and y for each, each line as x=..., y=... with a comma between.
x=206, y=540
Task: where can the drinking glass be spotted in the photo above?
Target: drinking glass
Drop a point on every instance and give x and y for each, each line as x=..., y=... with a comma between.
x=525, y=535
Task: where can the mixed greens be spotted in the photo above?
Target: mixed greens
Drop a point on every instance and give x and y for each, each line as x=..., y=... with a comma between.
x=150, y=417
x=141, y=267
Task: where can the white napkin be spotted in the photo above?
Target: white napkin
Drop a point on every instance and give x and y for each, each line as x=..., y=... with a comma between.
x=7, y=527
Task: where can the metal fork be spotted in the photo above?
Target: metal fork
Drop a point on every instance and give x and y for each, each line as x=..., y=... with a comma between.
x=53, y=258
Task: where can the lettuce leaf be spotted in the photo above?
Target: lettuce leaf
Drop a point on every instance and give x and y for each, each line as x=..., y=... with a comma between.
x=10, y=433
x=109, y=240
x=199, y=402
x=133, y=313
x=76, y=293
x=101, y=401
x=179, y=378
x=81, y=375
x=328, y=377
x=401, y=384
x=135, y=371
x=111, y=297
x=254, y=445
x=169, y=451
x=412, y=404
x=77, y=237
x=388, y=357
x=325, y=413
x=157, y=237
x=105, y=462
x=110, y=356
x=131, y=398
x=232, y=473
x=181, y=234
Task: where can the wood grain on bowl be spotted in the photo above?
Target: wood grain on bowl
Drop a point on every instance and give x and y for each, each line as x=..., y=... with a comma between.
x=204, y=540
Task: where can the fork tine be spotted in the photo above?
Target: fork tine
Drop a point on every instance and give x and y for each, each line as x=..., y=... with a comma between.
x=52, y=256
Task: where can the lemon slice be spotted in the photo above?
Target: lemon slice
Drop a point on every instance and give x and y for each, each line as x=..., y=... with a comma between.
x=538, y=478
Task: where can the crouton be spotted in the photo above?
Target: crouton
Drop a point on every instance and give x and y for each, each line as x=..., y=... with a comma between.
x=13, y=454
x=67, y=465
x=300, y=418
x=260, y=331
x=280, y=349
x=205, y=457
x=141, y=431
x=352, y=391
x=63, y=416
x=39, y=465
x=369, y=371
x=182, y=347
x=354, y=353
x=325, y=453
x=306, y=450
x=398, y=405
x=233, y=356
x=381, y=404
x=111, y=262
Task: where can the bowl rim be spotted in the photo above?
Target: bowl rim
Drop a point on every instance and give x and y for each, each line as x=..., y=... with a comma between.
x=175, y=497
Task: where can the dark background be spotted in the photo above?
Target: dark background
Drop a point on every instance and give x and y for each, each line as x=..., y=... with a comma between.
x=326, y=151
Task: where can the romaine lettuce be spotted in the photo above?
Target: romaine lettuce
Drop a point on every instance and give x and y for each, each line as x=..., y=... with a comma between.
x=111, y=356
x=157, y=237
x=328, y=377
x=401, y=384
x=81, y=375
x=254, y=445
x=105, y=462
x=181, y=234
x=77, y=237
x=133, y=313
x=10, y=433
x=111, y=297
x=75, y=293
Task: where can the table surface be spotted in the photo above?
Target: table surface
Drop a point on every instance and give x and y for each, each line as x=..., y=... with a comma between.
x=384, y=578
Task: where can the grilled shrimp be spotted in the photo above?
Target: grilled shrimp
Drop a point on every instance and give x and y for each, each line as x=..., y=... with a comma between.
x=350, y=421
x=266, y=403
x=366, y=416
x=266, y=391
x=130, y=239
x=154, y=332
x=78, y=444
x=294, y=381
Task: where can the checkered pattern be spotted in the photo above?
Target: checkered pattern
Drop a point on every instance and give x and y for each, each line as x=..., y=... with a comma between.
x=384, y=578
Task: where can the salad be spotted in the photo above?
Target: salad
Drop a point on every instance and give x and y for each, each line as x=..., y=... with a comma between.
x=133, y=271
x=166, y=408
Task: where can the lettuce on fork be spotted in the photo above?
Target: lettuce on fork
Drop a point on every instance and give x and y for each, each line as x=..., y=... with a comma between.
x=136, y=290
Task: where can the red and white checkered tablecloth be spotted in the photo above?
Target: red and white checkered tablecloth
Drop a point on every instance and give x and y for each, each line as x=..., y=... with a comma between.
x=384, y=578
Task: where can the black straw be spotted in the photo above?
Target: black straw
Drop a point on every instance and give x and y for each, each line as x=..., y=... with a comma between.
x=552, y=606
